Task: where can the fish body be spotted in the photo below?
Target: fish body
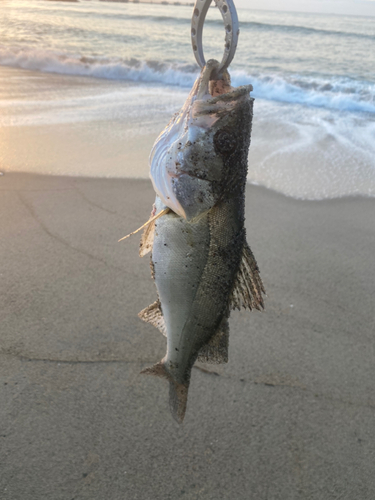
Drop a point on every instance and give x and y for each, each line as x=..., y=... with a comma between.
x=201, y=263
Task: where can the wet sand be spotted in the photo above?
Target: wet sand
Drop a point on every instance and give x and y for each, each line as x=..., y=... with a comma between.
x=291, y=416
x=69, y=125
x=91, y=127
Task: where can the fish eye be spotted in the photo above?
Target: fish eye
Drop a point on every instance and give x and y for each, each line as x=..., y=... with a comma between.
x=224, y=141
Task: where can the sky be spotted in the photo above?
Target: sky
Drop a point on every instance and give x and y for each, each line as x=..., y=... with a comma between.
x=347, y=7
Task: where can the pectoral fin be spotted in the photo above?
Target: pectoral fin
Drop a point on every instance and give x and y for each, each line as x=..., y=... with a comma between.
x=151, y=220
x=147, y=239
x=248, y=287
x=216, y=349
x=153, y=315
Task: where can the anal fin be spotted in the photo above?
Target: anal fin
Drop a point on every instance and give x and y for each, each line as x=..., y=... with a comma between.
x=248, y=287
x=153, y=315
x=216, y=349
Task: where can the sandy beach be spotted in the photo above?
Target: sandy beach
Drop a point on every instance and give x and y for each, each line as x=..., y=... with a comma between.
x=291, y=416
x=85, y=88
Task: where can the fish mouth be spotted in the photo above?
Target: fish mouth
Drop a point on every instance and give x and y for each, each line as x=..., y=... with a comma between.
x=211, y=99
x=215, y=96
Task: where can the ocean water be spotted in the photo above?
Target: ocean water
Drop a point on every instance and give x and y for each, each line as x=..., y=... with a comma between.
x=313, y=78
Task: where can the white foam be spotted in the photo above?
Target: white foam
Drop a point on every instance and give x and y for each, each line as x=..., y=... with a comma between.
x=324, y=150
x=142, y=108
x=98, y=67
x=312, y=155
x=341, y=94
x=331, y=93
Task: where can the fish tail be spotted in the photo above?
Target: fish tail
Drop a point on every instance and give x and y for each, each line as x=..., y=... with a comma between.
x=178, y=392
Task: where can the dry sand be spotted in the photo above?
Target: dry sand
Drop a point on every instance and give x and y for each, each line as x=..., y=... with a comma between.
x=292, y=415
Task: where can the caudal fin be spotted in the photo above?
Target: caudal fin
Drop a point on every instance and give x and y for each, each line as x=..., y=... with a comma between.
x=178, y=393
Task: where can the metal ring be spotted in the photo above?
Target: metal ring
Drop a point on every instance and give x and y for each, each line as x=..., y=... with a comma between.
x=229, y=14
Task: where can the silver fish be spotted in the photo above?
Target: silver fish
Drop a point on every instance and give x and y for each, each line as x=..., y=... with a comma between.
x=201, y=262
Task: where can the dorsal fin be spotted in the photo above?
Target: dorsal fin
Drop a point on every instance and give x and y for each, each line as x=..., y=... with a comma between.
x=248, y=287
x=153, y=315
x=216, y=349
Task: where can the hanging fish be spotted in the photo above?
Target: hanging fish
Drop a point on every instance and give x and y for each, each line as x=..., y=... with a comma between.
x=201, y=263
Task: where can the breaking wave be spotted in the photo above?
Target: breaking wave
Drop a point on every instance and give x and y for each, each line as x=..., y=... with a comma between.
x=340, y=93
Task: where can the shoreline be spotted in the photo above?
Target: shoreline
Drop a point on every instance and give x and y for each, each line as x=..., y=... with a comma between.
x=24, y=175
x=99, y=128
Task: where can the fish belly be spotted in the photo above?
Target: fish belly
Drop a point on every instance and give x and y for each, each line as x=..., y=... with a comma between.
x=195, y=265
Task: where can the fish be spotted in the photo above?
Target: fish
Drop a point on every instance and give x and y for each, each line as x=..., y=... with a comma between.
x=201, y=262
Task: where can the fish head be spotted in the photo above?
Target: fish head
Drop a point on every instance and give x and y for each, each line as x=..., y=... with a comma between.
x=203, y=150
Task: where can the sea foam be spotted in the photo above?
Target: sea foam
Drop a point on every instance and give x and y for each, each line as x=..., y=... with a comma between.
x=336, y=93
